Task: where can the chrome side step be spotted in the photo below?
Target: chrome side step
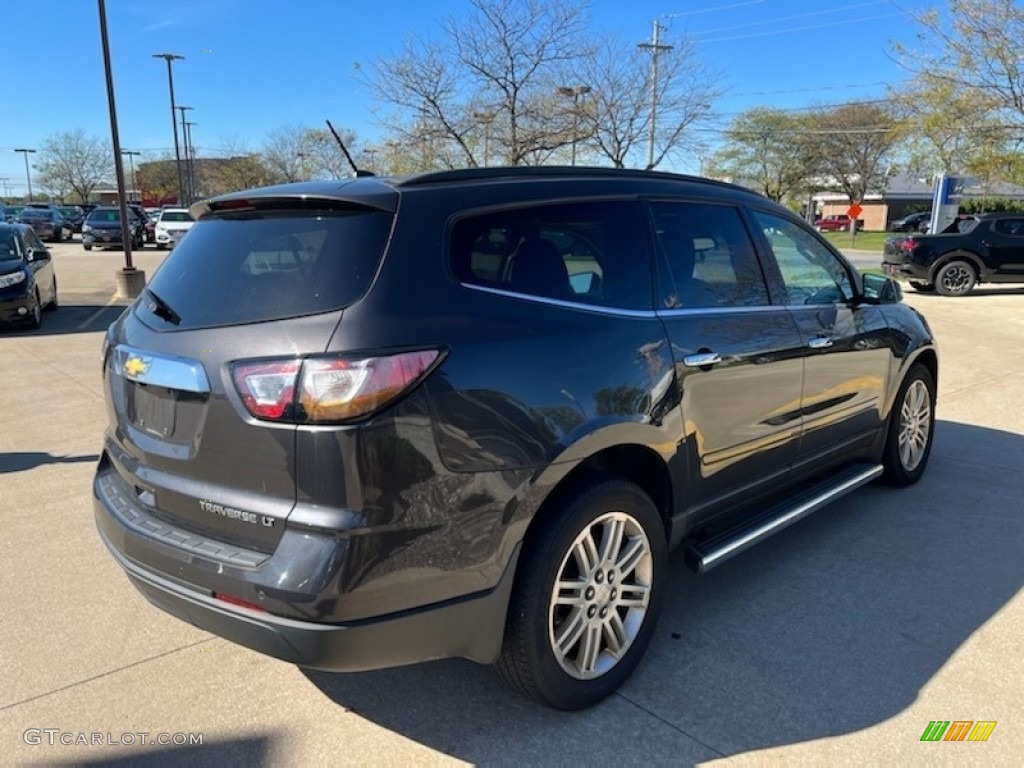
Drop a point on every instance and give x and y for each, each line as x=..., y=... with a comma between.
x=706, y=554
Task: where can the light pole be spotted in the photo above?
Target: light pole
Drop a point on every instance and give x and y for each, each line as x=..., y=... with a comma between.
x=574, y=93
x=169, y=57
x=184, y=151
x=302, y=165
x=486, y=118
x=656, y=48
x=130, y=281
x=28, y=178
x=131, y=165
x=190, y=163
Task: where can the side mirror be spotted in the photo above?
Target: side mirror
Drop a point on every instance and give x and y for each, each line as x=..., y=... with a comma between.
x=881, y=289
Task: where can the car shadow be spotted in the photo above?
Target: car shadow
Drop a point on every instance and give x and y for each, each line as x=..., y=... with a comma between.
x=250, y=751
x=25, y=460
x=78, y=316
x=832, y=626
x=987, y=290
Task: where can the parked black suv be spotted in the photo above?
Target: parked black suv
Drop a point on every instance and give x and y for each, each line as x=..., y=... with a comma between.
x=363, y=423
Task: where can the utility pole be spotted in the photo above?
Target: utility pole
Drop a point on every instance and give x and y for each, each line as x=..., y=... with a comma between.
x=486, y=118
x=28, y=178
x=656, y=48
x=131, y=164
x=187, y=186
x=130, y=281
x=574, y=93
x=190, y=164
x=171, y=57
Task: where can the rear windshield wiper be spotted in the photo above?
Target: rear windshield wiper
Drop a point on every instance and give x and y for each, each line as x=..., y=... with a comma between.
x=161, y=308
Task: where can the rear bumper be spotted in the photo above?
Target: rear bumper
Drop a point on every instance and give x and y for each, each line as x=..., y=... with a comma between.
x=175, y=574
x=907, y=270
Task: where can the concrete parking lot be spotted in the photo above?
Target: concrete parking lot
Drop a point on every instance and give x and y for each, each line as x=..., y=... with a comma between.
x=836, y=642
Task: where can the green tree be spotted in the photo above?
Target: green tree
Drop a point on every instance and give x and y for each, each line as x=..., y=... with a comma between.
x=851, y=146
x=764, y=148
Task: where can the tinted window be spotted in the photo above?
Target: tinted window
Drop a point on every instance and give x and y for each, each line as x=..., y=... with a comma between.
x=591, y=253
x=1012, y=227
x=176, y=216
x=9, y=248
x=105, y=214
x=248, y=267
x=707, y=258
x=811, y=272
x=36, y=213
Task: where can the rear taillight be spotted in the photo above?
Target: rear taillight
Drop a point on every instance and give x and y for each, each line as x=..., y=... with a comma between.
x=267, y=388
x=909, y=244
x=327, y=389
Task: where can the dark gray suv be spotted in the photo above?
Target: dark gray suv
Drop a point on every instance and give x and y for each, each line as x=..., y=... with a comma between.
x=364, y=423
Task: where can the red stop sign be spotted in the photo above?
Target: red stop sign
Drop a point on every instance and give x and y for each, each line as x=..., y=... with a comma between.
x=854, y=211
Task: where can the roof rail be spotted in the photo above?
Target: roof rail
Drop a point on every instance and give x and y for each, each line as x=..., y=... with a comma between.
x=541, y=171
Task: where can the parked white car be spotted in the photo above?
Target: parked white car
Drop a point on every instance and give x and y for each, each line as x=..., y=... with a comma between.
x=171, y=226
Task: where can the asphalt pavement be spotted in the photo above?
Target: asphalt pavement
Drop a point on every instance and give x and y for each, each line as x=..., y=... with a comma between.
x=835, y=642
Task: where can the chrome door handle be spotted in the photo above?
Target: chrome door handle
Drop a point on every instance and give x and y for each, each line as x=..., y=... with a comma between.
x=820, y=342
x=702, y=359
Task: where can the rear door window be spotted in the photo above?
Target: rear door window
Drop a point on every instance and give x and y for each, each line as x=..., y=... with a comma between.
x=587, y=253
x=256, y=266
x=706, y=257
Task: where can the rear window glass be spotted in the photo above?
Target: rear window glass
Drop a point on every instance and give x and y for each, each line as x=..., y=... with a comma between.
x=105, y=215
x=35, y=213
x=251, y=267
x=176, y=216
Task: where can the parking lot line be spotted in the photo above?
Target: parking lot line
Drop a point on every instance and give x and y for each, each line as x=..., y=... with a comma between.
x=91, y=318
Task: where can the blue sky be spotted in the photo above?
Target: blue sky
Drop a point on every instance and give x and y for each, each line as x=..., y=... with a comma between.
x=254, y=65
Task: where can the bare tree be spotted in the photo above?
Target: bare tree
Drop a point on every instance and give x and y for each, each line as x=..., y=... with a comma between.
x=284, y=152
x=505, y=58
x=851, y=145
x=323, y=157
x=618, y=108
x=74, y=161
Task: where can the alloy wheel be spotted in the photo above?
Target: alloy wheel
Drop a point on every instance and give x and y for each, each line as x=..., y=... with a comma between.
x=601, y=596
x=957, y=278
x=915, y=425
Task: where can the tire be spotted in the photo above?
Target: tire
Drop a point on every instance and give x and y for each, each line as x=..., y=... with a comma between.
x=36, y=318
x=922, y=287
x=569, y=678
x=844, y=228
x=54, y=304
x=59, y=236
x=911, y=429
x=956, y=278
x=87, y=246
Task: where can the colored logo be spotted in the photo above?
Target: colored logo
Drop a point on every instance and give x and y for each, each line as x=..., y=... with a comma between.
x=958, y=730
x=136, y=366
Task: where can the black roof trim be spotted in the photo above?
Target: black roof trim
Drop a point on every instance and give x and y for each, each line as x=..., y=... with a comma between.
x=496, y=173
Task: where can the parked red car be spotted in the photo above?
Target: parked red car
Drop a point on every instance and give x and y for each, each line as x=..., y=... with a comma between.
x=837, y=222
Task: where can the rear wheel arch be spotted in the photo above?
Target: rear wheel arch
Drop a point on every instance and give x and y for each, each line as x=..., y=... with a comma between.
x=633, y=463
x=970, y=257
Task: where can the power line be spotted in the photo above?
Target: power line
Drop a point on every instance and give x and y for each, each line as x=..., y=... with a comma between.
x=712, y=10
x=829, y=12
x=800, y=29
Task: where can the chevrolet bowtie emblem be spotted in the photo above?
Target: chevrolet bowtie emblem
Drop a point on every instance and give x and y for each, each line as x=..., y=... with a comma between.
x=136, y=366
